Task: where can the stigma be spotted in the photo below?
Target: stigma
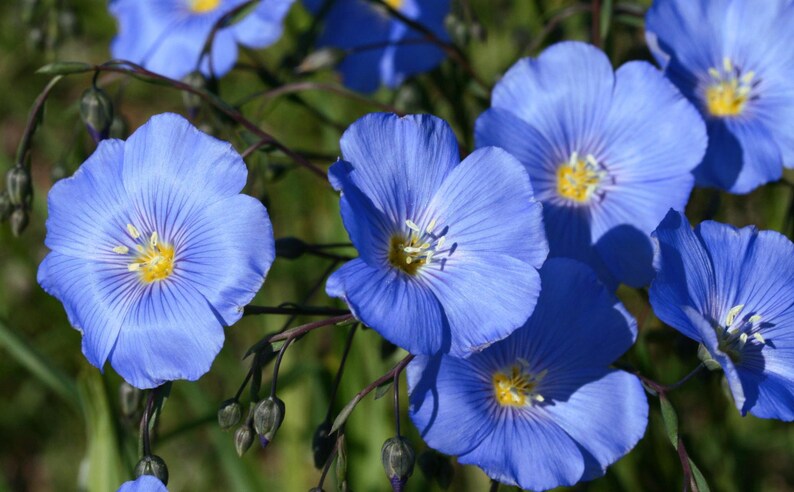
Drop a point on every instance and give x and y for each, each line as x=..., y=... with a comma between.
x=578, y=180
x=729, y=89
x=417, y=248
x=151, y=258
x=204, y=6
x=736, y=332
x=518, y=388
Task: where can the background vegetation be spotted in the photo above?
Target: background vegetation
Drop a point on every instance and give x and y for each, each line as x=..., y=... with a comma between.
x=60, y=423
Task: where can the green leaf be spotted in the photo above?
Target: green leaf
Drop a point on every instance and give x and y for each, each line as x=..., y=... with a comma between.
x=699, y=479
x=606, y=18
x=344, y=414
x=670, y=420
x=384, y=388
x=64, y=68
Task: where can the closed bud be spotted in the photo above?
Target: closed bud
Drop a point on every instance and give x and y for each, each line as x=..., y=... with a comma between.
x=152, y=465
x=229, y=414
x=322, y=444
x=5, y=206
x=436, y=467
x=129, y=399
x=457, y=29
x=96, y=109
x=320, y=59
x=398, y=459
x=18, y=186
x=243, y=439
x=192, y=101
x=19, y=221
x=341, y=462
x=290, y=248
x=316, y=489
x=268, y=415
x=118, y=127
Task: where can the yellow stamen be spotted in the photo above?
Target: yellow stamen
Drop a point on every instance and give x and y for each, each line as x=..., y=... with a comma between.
x=578, y=179
x=395, y=4
x=518, y=388
x=730, y=90
x=204, y=6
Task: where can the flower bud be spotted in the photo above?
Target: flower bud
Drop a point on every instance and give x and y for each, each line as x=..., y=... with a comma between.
x=96, y=109
x=129, y=399
x=341, y=462
x=436, y=467
x=5, y=206
x=268, y=415
x=152, y=465
x=18, y=186
x=320, y=59
x=19, y=221
x=118, y=127
x=243, y=439
x=322, y=444
x=290, y=248
x=192, y=101
x=229, y=414
x=398, y=459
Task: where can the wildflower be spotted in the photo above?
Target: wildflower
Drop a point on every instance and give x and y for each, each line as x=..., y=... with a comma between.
x=732, y=290
x=541, y=408
x=144, y=483
x=449, y=250
x=382, y=49
x=154, y=250
x=733, y=60
x=168, y=36
x=608, y=153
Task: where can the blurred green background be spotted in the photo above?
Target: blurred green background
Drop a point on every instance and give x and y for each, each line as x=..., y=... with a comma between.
x=60, y=423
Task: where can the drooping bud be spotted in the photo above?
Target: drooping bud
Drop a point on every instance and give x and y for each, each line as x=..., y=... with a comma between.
x=5, y=206
x=152, y=465
x=341, y=462
x=322, y=444
x=229, y=414
x=290, y=248
x=268, y=415
x=18, y=186
x=19, y=221
x=118, y=127
x=398, y=459
x=436, y=466
x=192, y=101
x=96, y=109
x=243, y=439
x=129, y=399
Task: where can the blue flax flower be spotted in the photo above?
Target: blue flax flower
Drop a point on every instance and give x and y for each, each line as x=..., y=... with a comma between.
x=144, y=483
x=448, y=250
x=385, y=50
x=732, y=290
x=608, y=152
x=167, y=36
x=154, y=250
x=733, y=60
x=541, y=408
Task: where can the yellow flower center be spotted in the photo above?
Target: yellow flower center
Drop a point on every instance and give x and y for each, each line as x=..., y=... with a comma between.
x=737, y=332
x=729, y=90
x=411, y=251
x=578, y=180
x=154, y=260
x=517, y=389
x=204, y=6
x=395, y=4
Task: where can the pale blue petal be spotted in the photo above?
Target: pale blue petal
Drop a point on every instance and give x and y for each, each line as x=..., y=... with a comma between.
x=264, y=25
x=144, y=483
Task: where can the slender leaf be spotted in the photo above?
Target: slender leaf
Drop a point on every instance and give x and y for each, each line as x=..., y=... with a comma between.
x=670, y=420
x=344, y=414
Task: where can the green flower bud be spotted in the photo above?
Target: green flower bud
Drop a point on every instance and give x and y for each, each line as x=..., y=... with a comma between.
x=5, y=206
x=398, y=459
x=96, y=109
x=268, y=415
x=192, y=101
x=341, y=462
x=243, y=438
x=18, y=186
x=118, y=127
x=19, y=221
x=129, y=399
x=152, y=465
x=229, y=414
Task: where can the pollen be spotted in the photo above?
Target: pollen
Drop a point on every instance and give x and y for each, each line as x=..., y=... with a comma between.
x=409, y=251
x=579, y=179
x=152, y=259
x=395, y=4
x=518, y=388
x=729, y=90
x=204, y=6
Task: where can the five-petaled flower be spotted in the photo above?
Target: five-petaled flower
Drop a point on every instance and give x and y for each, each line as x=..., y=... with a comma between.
x=608, y=152
x=449, y=250
x=541, y=408
x=382, y=49
x=154, y=250
x=732, y=290
x=168, y=36
x=733, y=60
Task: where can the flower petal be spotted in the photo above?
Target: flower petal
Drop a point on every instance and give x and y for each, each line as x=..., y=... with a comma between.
x=264, y=25
x=144, y=483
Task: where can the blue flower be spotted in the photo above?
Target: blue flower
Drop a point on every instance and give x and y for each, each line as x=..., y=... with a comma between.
x=608, y=153
x=733, y=60
x=541, y=408
x=154, y=250
x=385, y=51
x=448, y=250
x=144, y=483
x=167, y=36
x=732, y=290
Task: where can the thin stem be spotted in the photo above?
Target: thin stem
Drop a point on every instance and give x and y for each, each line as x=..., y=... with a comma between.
x=338, y=378
x=276, y=366
x=33, y=120
x=294, y=311
x=317, y=86
x=686, y=378
x=397, y=403
x=396, y=370
x=303, y=329
x=494, y=486
x=327, y=465
x=555, y=21
x=596, y=27
x=206, y=50
x=245, y=381
x=147, y=446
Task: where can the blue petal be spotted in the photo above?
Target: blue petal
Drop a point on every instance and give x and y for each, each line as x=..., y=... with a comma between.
x=684, y=274
x=606, y=416
x=775, y=398
x=170, y=333
x=226, y=254
x=390, y=157
x=450, y=400
x=686, y=33
x=401, y=309
x=139, y=30
x=263, y=26
x=487, y=202
x=144, y=483
x=628, y=254
x=565, y=94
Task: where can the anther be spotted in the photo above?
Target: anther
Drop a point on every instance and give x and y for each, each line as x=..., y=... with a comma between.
x=121, y=250
x=133, y=231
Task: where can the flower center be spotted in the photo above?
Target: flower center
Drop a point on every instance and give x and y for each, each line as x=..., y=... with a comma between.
x=395, y=4
x=578, y=180
x=736, y=332
x=204, y=6
x=417, y=250
x=153, y=259
x=517, y=389
x=729, y=90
